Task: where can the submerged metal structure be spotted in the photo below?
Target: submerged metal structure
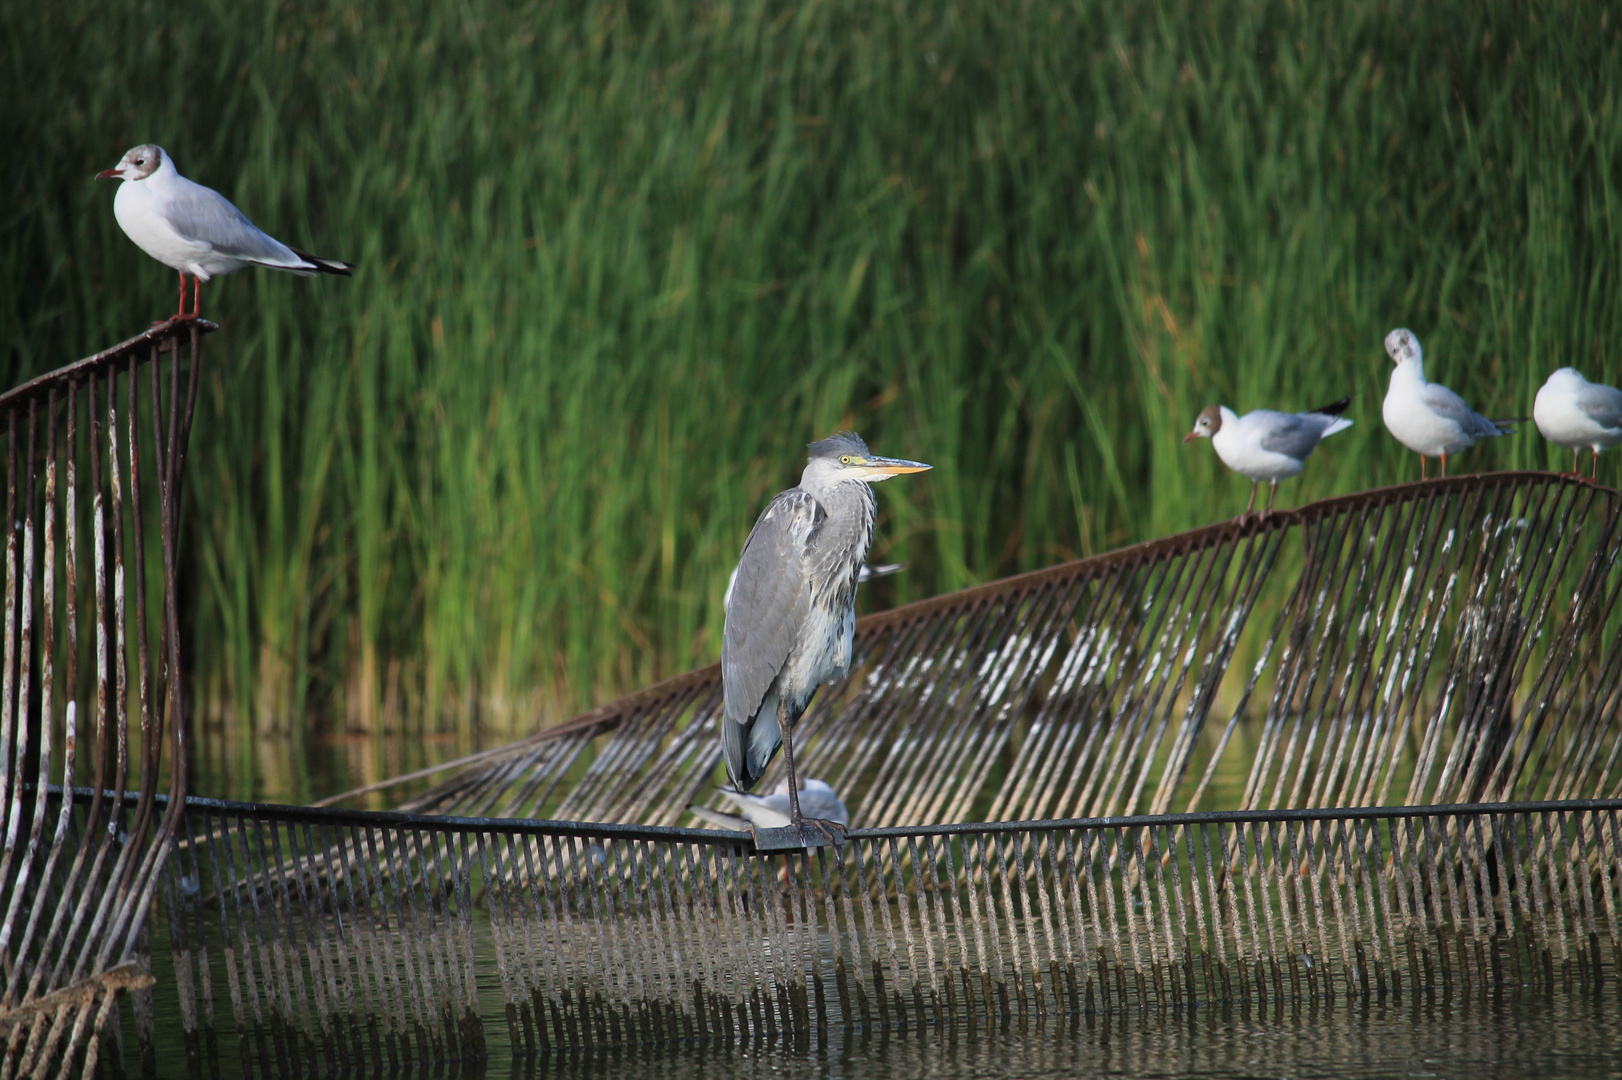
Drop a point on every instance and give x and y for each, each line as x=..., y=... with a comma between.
x=1426, y=802
x=1365, y=748
x=95, y=454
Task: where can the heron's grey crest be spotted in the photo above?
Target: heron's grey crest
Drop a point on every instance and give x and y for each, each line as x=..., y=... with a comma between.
x=791, y=611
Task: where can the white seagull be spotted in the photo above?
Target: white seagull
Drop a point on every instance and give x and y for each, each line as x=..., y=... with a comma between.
x=817, y=800
x=1579, y=415
x=1427, y=417
x=195, y=229
x=1267, y=445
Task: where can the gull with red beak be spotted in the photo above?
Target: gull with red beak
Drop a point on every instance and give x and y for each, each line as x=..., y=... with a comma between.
x=1267, y=445
x=791, y=610
x=195, y=229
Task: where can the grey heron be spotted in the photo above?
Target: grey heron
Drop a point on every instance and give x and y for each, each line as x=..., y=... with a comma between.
x=791, y=615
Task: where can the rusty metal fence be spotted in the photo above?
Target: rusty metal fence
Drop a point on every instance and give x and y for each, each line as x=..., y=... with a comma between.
x=94, y=456
x=344, y=938
x=1447, y=646
x=1442, y=642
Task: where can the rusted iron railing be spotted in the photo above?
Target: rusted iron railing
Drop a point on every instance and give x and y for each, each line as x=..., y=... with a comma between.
x=350, y=939
x=94, y=457
x=1440, y=642
x=1450, y=646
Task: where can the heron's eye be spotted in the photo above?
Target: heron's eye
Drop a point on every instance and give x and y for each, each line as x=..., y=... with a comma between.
x=846, y=459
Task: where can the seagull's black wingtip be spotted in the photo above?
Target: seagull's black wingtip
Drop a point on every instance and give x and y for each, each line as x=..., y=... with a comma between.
x=1334, y=408
x=326, y=266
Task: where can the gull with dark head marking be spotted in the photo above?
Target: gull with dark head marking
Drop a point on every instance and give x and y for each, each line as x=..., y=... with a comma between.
x=1427, y=417
x=1579, y=415
x=1267, y=445
x=195, y=229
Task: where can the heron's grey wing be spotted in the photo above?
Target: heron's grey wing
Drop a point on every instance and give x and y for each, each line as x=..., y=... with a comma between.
x=1450, y=406
x=1292, y=434
x=770, y=599
x=200, y=213
x=1603, y=404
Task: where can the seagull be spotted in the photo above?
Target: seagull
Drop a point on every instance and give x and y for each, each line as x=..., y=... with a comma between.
x=1267, y=445
x=195, y=229
x=1427, y=417
x=1579, y=415
x=817, y=800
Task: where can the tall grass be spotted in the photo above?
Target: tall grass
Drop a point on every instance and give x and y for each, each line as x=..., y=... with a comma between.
x=620, y=262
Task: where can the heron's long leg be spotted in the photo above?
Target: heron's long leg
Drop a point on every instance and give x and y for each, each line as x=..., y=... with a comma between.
x=786, y=726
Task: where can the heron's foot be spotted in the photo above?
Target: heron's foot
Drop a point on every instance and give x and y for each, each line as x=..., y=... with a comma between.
x=807, y=833
x=829, y=833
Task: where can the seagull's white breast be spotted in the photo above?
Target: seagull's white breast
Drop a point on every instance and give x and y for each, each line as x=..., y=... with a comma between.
x=1414, y=423
x=1239, y=444
x=138, y=207
x=1562, y=420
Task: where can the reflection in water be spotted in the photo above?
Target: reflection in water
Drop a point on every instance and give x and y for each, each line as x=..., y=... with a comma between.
x=1511, y=1036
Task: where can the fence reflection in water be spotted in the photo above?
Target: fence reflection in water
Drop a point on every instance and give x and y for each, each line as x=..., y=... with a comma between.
x=350, y=937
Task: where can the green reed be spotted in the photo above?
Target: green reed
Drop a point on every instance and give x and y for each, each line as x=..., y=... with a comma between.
x=620, y=262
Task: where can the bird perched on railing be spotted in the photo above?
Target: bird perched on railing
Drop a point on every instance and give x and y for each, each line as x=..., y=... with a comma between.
x=791, y=618
x=195, y=229
x=1267, y=445
x=817, y=800
x=1427, y=417
x=1579, y=415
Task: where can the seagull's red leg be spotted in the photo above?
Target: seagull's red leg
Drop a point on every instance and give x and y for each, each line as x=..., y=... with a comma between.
x=1594, y=475
x=181, y=314
x=1444, y=466
x=1577, y=462
x=1422, y=466
x=196, y=296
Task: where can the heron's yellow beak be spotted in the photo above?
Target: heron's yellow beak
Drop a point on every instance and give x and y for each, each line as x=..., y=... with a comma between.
x=883, y=466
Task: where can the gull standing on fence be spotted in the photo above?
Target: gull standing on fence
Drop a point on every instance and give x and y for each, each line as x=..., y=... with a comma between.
x=791, y=617
x=1427, y=417
x=1579, y=415
x=1267, y=445
x=817, y=800
x=195, y=229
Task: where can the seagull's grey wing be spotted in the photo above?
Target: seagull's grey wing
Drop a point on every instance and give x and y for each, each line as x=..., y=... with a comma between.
x=200, y=213
x=763, y=811
x=1450, y=406
x=822, y=802
x=718, y=819
x=1602, y=404
x=770, y=599
x=1292, y=434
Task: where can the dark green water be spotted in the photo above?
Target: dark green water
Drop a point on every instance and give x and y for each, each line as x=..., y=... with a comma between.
x=1510, y=1035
